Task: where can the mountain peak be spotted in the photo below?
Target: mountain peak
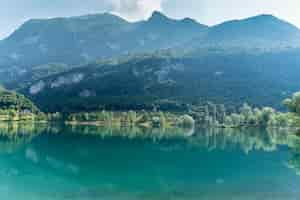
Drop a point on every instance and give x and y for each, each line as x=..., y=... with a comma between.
x=190, y=21
x=263, y=18
x=270, y=21
x=156, y=15
x=97, y=16
x=259, y=20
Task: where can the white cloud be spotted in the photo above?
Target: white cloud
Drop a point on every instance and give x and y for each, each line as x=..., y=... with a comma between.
x=135, y=9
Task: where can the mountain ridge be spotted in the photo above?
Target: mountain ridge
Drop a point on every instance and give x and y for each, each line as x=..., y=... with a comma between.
x=230, y=63
x=117, y=36
x=86, y=38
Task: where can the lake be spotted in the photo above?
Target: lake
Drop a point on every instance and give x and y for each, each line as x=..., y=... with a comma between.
x=38, y=161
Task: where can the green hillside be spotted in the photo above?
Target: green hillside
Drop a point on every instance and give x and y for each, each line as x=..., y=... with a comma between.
x=170, y=82
x=16, y=107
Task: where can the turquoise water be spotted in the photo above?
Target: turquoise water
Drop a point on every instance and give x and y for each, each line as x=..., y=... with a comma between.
x=89, y=163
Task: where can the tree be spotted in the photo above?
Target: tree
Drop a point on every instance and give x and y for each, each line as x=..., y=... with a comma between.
x=228, y=121
x=246, y=111
x=86, y=116
x=214, y=113
x=132, y=117
x=252, y=120
x=293, y=104
x=236, y=120
x=273, y=121
x=162, y=119
x=282, y=120
x=222, y=114
x=187, y=121
x=206, y=115
x=267, y=113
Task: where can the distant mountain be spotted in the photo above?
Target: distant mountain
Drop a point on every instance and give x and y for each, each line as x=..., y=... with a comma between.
x=83, y=39
x=143, y=81
x=79, y=40
x=264, y=32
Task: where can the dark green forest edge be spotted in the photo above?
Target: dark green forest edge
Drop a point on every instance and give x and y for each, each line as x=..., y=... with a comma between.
x=16, y=107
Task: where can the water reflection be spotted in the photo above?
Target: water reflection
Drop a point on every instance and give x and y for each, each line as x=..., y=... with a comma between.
x=247, y=140
x=14, y=135
x=87, y=162
x=294, y=161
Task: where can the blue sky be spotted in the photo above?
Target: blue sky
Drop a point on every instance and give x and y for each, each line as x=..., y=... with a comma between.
x=14, y=12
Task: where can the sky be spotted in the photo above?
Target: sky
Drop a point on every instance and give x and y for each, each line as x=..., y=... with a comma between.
x=15, y=12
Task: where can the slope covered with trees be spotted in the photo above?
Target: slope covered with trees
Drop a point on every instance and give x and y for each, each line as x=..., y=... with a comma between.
x=16, y=107
x=170, y=82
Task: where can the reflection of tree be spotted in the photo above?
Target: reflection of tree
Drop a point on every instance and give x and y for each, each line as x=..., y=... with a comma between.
x=130, y=132
x=79, y=151
x=247, y=139
x=13, y=135
x=294, y=161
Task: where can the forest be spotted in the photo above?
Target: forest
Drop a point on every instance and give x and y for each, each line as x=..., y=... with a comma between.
x=15, y=107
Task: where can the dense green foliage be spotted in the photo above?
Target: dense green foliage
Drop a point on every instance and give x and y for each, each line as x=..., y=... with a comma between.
x=265, y=117
x=169, y=83
x=12, y=100
x=15, y=107
x=293, y=104
x=246, y=116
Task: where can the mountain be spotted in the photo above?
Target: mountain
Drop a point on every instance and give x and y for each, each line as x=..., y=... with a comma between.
x=263, y=31
x=103, y=61
x=78, y=40
x=170, y=82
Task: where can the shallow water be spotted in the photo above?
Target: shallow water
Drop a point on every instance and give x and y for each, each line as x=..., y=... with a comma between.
x=88, y=163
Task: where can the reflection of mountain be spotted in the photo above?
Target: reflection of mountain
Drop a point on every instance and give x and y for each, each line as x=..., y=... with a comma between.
x=124, y=161
x=86, y=162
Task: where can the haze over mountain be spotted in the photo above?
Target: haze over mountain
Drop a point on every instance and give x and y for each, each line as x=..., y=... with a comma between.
x=263, y=31
x=86, y=38
x=253, y=60
x=83, y=39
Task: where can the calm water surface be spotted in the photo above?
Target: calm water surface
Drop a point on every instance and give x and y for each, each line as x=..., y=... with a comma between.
x=88, y=163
